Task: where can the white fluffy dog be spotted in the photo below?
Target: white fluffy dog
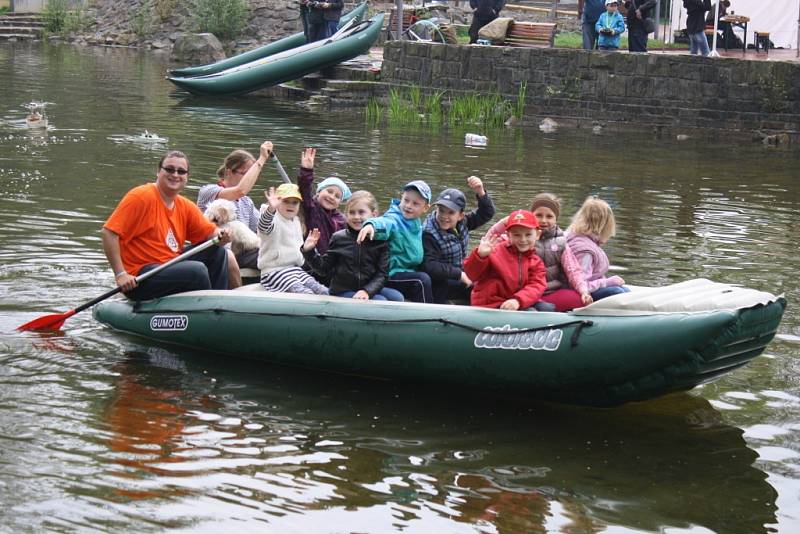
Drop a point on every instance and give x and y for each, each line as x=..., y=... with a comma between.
x=223, y=213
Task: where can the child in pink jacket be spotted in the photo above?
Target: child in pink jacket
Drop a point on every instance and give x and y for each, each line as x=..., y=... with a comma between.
x=591, y=228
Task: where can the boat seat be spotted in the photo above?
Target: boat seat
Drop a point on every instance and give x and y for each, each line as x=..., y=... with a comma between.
x=699, y=295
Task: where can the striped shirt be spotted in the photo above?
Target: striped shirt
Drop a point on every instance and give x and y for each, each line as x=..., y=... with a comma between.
x=246, y=211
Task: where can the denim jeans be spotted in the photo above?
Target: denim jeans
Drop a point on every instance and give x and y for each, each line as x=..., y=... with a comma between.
x=387, y=293
x=604, y=292
x=415, y=287
x=698, y=44
x=205, y=270
x=637, y=39
x=589, y=36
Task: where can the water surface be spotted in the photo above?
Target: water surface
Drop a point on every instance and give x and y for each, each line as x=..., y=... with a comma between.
x=101, y=431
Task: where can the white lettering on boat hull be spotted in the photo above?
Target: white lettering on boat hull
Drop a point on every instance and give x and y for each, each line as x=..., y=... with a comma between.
x=506, y=337
x=168, y=323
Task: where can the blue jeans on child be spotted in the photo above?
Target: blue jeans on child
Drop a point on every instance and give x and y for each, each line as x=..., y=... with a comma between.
x=387, y=293
x=604, y=292
x=698, y=44
x=414, y=286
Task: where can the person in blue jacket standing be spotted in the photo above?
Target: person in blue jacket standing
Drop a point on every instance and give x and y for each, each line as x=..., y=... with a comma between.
x=589, y=11
x=609, y=27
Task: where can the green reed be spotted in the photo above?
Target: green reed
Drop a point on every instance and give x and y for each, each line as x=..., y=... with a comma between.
x=412, y=107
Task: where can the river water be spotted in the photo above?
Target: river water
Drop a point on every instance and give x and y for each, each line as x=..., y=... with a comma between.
x=104, y=432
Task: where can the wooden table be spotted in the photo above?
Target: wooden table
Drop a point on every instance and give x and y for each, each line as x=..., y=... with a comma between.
x=738, y=21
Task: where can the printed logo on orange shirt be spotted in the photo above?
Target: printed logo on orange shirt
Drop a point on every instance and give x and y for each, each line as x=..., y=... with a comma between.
x=172, y=243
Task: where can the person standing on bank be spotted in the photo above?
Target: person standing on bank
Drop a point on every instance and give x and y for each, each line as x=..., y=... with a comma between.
x=323, y=19
x=638, y=13
x=589, y=12
x=483, y=12
x=610, y=26
x=237, y=176
x=149, y=227
x=696, y=25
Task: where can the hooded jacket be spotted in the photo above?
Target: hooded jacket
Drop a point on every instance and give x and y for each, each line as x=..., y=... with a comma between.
x=506, y=274
x=404, y=237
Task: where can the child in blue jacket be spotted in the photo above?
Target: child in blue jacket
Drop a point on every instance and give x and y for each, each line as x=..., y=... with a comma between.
x=609, y=27
x=401, y=227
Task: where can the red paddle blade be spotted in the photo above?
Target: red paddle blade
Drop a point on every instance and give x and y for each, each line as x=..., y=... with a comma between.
x=48, y=322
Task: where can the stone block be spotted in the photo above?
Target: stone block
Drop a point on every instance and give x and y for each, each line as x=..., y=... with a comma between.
x=456, y=52
x=479, y=69
x=615, y=85
x=658, y=65
x=438, y=52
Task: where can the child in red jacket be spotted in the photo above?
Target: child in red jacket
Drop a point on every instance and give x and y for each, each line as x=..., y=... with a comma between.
x=508, y=274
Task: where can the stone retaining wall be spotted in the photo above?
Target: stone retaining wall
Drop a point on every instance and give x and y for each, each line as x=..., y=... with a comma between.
x=645, y=89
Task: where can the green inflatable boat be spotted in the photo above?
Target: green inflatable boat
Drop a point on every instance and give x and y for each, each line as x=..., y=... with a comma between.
x=352, y=40
x=287, y=43
x=629, y=347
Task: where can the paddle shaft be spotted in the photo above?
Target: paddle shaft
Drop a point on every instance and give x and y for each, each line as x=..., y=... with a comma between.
x=142, y=277
x=280, y=168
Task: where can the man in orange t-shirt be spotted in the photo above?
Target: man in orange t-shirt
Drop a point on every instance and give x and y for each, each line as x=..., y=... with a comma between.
x=149, y=227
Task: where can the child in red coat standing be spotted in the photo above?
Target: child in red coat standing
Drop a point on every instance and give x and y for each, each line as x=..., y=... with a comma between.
x=507, y=273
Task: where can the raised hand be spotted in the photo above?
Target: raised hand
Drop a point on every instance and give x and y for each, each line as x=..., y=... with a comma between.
x=311, y=240
x=487, y=244
x=476, y=185
x=510, y=304
x=367, y=232
x=273, y=200
x=266, y=150
x=307, y=158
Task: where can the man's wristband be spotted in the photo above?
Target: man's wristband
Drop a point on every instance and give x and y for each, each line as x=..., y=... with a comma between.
x=117, y=275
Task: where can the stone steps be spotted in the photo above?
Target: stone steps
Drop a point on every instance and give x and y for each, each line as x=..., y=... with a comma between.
x=18, y=26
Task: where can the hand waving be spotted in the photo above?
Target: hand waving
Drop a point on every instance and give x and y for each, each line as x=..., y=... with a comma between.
x=311, y=240
x=307, y=158
x=476, y=185
x=487, y=244
x=273, y=200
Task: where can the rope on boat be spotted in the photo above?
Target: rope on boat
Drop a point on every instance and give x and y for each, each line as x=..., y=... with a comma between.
x=579, y=324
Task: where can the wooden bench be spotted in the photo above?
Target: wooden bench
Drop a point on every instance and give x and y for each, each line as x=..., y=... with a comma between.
x=531, y=34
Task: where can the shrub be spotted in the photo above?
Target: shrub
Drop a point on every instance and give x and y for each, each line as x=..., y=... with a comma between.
x=55, y=14
x=223, y=18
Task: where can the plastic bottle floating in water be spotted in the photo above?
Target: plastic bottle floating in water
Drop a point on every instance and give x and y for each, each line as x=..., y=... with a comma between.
x=475, y=140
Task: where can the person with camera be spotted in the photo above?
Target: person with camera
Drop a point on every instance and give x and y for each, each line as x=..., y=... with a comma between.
x=640, y=23
x=609, y=27
x=323, y=18
x=483, y=12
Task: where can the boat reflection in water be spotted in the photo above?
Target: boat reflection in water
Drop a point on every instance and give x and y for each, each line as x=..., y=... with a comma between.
x=238, y=441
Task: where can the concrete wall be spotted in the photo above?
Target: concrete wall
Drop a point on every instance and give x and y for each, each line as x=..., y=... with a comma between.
x=28, y=6
x=648, y=89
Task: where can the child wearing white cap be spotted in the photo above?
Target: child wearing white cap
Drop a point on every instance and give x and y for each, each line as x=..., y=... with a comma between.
x=609, y=27
x=321, y=208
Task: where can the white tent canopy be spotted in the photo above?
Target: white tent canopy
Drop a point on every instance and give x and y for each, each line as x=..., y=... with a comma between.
x=778, y=17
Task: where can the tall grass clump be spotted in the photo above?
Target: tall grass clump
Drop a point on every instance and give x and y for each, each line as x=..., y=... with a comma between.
x=401, y=110
x=55, y=14
x=60, y=19
x=224, y=18
x=142, y=20
x=374, y=112
x=519, y=110
x=490, y=110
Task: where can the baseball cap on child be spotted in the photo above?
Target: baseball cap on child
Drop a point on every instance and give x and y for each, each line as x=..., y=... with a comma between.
x=608, y=2
x=522, y=218
x=421, y=187
x=333, y=180
x=453, y=199
x=288, y=191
